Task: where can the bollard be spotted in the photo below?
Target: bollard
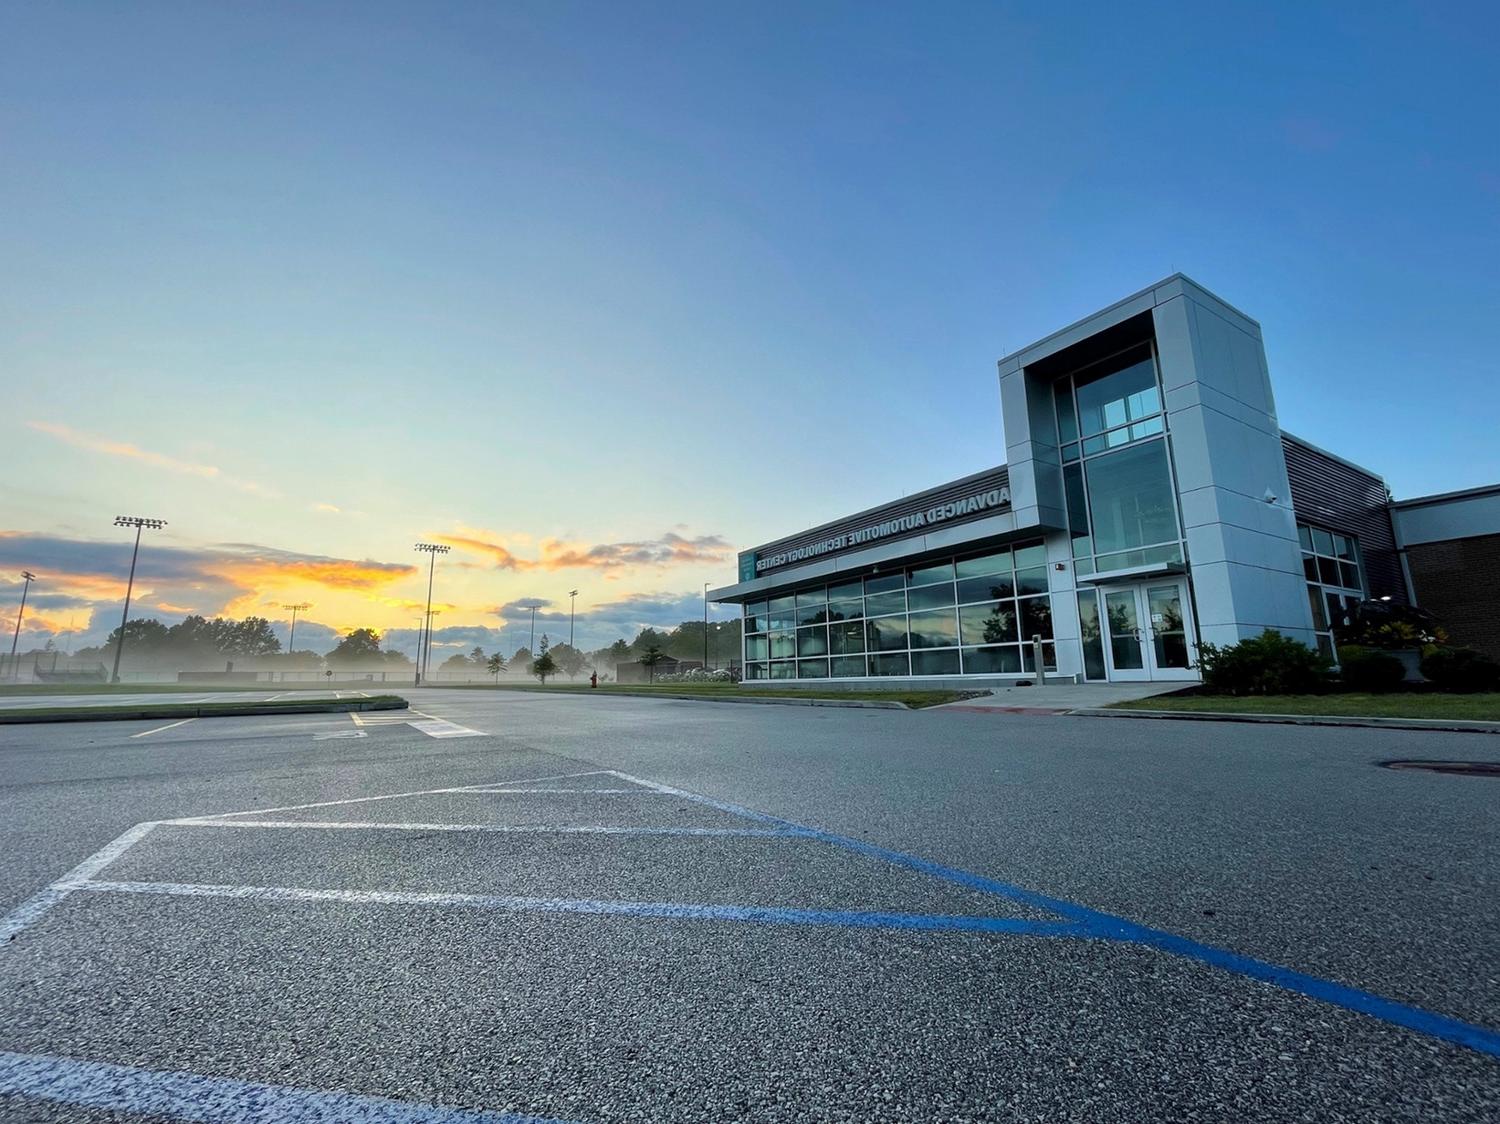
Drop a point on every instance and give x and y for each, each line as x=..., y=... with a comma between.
x=1037, y=660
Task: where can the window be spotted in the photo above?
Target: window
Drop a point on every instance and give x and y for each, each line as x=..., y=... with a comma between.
x=1130, y=498
x=958, y=616
x=1335, y=581
x=1117, y=480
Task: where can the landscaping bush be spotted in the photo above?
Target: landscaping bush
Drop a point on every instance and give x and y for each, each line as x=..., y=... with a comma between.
x=1268, y=664
x=1460, y=669
x=1369, y=669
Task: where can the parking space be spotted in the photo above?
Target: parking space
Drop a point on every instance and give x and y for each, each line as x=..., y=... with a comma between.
x=588, y=943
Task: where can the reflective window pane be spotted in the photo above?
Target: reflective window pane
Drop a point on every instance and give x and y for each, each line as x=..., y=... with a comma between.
x=1130, y=498
x=812, y=669
x=878, y=603
x=846, y=590
x=1031, y=581
x=755, y=617
x=783, y=644
x=817, y=596
x=886, y=634
x=846, y=667
x=786, y=669
x=812, y=614
x=1004, y=660
x=937, y=629
x=1110, y=398
x=1067, y=418
x=929, y=596
x=927, y=575
x=812, y=641
x=1090, y=635
x=935, y=663
x=996, y=563
x=756, y=648
x=890, y=665
x=846, y=610
x=885, y=583
x=1322, y=541
x=1033, y=555
x=1036, y=618
x=756, y=671
x=1304, y=533
x=987, y=589
x=846, y=638
x=993, y=623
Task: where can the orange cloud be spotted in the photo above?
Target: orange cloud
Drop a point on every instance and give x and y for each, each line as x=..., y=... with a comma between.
x=671, y=549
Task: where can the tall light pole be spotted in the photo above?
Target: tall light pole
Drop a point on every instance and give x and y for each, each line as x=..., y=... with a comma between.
x=433, y=550
x=427, y=650
x=28, y=577
x=531, y=644
x=138, y=523
x=572, y=604
x=291, y=640
x=705, y=626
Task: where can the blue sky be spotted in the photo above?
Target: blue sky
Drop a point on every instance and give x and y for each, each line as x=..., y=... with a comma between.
x=329, y=278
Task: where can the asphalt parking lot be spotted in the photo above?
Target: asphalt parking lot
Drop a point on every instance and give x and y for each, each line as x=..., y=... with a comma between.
x=518, y=907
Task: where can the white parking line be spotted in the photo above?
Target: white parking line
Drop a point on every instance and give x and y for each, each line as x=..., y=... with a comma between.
x=168, y=726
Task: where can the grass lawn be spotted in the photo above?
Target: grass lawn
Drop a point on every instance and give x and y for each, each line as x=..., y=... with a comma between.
x=177, y=688
x=201, y=710
x=914, y=699
x=1480, y=708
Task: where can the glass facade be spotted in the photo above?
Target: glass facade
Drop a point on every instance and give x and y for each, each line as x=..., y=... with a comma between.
x=1335, y=580
x=967, y=615
x=1117, y=478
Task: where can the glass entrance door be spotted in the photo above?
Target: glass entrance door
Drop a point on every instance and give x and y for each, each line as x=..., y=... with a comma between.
x=1147, y=631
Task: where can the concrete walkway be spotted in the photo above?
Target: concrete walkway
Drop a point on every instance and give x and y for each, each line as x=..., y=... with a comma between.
x=1057, y=698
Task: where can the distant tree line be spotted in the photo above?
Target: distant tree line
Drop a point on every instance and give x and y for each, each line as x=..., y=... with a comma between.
x=203, y=642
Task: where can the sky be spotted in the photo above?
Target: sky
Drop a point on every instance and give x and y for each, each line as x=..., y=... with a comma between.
x=599, y=294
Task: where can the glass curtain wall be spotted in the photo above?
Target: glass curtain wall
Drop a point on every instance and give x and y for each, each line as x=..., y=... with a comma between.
x=1111, y=429
x=1335, y=580
x=971, y=615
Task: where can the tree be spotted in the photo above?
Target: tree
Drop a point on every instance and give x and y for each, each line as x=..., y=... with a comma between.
x=361, y=645
x=544, y=665
x=456, y=662
x=521, y=661
x=619, y=652
x=147, y=636
x=495, y=665
x=569, y=659
x=478, y=658
x=652, y=657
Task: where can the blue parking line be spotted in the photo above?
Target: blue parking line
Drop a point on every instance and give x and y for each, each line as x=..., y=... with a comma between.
x=1094, y=924
x=189, y=1096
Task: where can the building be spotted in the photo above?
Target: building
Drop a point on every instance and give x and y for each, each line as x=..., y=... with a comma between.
x=1149, y=502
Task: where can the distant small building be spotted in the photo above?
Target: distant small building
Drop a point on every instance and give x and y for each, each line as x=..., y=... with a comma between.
x=637, y=672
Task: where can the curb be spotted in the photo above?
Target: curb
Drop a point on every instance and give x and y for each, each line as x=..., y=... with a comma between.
x=774, y=700
x=1448, y=725
x=210, y=710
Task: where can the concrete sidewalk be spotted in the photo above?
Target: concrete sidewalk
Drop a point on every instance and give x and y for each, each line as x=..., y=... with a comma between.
x=1059, y=698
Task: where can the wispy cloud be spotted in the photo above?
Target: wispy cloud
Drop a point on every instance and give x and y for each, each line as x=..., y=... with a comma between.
x=112, y=448
x=670, y=549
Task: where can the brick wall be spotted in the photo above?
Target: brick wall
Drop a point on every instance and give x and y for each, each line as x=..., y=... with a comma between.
x=1457, y=579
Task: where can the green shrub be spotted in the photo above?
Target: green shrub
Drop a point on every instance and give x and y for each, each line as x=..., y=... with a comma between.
x=1268, y=664
x=1460, y=669
x=1370, y=669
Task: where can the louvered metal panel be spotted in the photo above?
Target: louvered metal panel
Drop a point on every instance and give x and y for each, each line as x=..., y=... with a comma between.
x=1333, y=493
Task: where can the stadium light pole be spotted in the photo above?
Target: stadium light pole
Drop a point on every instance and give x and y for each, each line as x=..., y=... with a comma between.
x=291, y=640
x=28, y=577
x=531, y=644
x=138, y=523
x=705, y=625
x=572, y=604
x=427, y=651
x=432, y=550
